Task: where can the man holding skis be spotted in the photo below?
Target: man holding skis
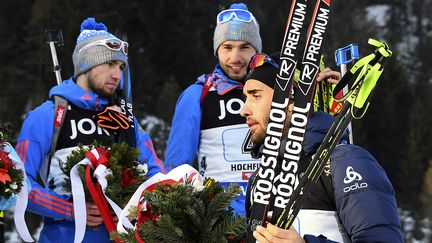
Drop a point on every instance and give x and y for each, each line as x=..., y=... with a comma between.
x=353, y=200
x=99, y=59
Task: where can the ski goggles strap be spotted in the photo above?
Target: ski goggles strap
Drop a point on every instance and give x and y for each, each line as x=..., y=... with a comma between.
x=236, y=14
x=267, y=75
x=111, y=43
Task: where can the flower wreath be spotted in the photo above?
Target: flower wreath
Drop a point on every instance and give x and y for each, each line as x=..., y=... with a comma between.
x=123, y=167
x=180, y=212
x=103, y=175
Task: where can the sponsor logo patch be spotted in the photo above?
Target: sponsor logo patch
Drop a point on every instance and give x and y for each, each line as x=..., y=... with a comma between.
x=352, y=176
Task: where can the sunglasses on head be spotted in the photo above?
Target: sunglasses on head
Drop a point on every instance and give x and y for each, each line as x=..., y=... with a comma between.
x=260, y=59
x=112, y=44
x=237, y=14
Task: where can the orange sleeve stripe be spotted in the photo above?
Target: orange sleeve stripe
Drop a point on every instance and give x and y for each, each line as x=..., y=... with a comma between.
x=24, y=157
x=46, y=201
x=22, y=150
x=19, y=149
x=51, y=199
x=149, y=144
x=49, y=207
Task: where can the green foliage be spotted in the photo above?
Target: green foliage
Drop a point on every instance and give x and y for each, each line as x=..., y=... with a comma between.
x=188, y=214
x=14, y=186
x=171, y=42
x=122, y=158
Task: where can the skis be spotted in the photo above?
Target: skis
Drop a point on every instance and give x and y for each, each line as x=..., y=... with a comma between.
x=274, y=183
x=363, y=76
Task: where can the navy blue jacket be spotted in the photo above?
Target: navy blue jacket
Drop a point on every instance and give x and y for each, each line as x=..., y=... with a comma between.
x=360, y=196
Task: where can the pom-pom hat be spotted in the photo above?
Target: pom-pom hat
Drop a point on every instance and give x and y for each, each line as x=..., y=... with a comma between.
x=237, y=24
x=93, y=47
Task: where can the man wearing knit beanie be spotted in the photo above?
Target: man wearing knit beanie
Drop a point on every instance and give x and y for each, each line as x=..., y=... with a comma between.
x=335, y=210
x=206, y=121
x=99, y=59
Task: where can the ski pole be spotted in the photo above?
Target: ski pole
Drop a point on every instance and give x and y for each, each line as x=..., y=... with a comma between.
x=363, y=77
x=343, y=56
x=55, y=37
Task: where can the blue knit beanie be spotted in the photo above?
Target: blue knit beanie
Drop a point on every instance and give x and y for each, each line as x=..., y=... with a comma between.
x=237, y=30
x=87, y=58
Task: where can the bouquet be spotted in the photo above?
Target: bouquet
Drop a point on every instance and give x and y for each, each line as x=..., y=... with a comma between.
x=181, y=212
x=11, y=178
x=14, y=185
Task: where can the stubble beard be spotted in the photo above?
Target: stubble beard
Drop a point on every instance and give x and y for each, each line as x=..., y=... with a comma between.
x=259, y=135
x=100, y=91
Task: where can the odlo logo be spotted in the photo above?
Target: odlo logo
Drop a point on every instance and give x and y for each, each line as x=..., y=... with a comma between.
x=254, y=224
x=351, y=176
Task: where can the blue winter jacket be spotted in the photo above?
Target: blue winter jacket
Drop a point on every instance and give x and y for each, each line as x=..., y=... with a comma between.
x=215, y=135
x=34, y=142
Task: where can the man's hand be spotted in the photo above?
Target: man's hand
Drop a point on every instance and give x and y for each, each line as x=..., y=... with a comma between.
x=94, y=217
x=329, y=75
x=272, y=233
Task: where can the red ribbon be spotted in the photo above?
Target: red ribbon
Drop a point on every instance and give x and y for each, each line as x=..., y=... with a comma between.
x=102, y=158
x=96, y=190
x=149, y=215
x=99, y=199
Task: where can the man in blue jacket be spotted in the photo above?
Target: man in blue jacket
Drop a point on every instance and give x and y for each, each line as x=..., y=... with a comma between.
x=206, y=121
x=99, y=59
x=353, y=200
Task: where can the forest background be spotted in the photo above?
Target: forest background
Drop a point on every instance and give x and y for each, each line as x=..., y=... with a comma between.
x=171, y=43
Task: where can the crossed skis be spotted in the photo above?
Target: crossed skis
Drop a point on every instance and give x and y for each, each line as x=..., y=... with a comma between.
x=277, y=193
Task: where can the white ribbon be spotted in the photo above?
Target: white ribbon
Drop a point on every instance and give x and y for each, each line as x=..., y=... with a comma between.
x=179, y=174
x=100, y=173
x=79, y=204
x=22, y=198
x=78, y=195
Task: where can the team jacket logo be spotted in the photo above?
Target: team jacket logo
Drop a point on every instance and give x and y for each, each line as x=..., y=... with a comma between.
x=233, y=106
x=86, y=126
x=351, y=176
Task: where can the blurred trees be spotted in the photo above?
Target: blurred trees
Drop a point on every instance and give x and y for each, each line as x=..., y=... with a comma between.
x=171, y=43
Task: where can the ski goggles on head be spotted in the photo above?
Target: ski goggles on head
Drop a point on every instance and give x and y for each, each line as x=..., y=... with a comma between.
x=237, y=14
x=260, y=59
x=111, y=43
x=267, y=74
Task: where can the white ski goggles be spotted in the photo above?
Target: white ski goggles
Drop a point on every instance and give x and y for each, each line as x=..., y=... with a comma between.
x=237, y=14
x=111, y=43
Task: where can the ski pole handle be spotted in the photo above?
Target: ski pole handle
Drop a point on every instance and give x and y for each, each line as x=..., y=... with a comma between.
x=343, y=56
x=55, y=37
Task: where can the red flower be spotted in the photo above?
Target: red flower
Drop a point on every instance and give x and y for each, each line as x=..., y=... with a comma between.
x=4, y=176
x=127, y=177
x=146, y=215
x=7, y=162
